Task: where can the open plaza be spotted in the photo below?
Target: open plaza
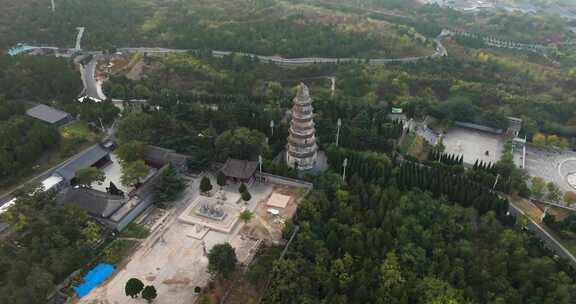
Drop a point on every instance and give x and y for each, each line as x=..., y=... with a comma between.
x=174, y=256
x=474, y=145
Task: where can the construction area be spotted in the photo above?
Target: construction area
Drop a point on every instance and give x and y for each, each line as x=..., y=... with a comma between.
x=174, y=256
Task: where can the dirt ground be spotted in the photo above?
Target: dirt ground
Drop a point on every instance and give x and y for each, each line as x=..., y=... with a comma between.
x=268, y=227
x=535, y=210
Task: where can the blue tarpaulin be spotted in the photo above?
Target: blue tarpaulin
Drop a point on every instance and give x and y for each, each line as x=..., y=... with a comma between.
x=94, y=277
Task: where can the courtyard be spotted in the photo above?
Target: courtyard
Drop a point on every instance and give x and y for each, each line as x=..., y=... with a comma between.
x=474, y=145
x=173, y=258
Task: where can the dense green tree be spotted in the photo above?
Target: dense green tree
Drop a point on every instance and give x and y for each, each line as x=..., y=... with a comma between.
x=538, y=186
x=220, y=179
x=86, y=176
x=222, y=260
x=149, y=293
x=246, y=196
x=554, y=193
x=133, y=172
x=242, y=188
x=169, y=186
x=133, y=287
x=205, y=185
x=241, y=143
x=130, y=151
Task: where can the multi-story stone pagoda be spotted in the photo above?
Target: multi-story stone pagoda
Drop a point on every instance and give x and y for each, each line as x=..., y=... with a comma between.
x=302, y=150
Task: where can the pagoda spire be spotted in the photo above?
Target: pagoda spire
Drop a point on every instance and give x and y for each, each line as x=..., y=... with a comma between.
x=302, y=149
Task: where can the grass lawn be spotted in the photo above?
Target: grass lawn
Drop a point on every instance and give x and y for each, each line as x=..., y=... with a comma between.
x=135, y=231
x=79, y=130
x=407, y=142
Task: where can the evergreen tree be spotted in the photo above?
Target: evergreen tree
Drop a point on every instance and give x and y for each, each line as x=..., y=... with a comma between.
x=149, y=293
x=133, y=287
x=113, y=190
x=242, y=188
x=205, y=185
x=169, y=186
x=221, y=179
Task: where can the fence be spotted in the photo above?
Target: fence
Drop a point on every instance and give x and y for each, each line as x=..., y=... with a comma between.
x=271, y=178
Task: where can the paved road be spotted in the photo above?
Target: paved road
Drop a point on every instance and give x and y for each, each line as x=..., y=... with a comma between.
x=79, y=38
x=92, y=87
x=440, y=51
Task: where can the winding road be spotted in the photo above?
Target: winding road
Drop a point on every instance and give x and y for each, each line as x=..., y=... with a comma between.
x=93, y=88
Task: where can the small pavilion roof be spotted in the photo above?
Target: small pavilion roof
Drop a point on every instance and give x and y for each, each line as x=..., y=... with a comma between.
x=241, y=169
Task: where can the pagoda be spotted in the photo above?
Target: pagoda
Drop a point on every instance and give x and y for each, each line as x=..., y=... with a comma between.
x=302, y=150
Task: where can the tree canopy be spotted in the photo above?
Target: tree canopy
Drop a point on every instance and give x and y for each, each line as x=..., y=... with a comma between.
x=222, y=260
x=241, y=143
x=377, y=244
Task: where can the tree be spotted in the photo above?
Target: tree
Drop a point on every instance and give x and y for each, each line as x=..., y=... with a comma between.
x=149, y=293
x=133, y=287
x=221, y=179
x=246, y=216
x=539, y=139
x=553, y=140
x=169, y=186
x=550, y=221
x=554, y=193
x=133, y=172
x=274, y=90
x=114, y=190
x=205, y=185
x=222, y=260
x=242, y=188
x=39, y=283
x=130, y=151
x=86, y=176
x=570, y=197
x=246, y=196
x=241, y=143
x=538, y=185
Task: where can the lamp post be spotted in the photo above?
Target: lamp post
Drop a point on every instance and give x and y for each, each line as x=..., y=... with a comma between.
x=344, y=165
x=339, y=124
x=495, y=182
x=260, y=164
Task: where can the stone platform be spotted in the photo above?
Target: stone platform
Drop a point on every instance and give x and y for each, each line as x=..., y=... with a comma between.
x=230, y=207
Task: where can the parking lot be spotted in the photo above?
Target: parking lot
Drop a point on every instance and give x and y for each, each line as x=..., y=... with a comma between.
x=552, y=166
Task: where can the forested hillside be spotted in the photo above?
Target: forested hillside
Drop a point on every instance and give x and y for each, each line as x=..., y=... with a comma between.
x=22, y=139
x=267, y=27
x=38, y=78
x=368, y=242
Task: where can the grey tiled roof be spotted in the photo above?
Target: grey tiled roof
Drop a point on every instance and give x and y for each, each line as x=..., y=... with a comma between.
x=242, y=169
x=84, y=160
x=96, y=203
x=47, y=114
x=162, y=156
